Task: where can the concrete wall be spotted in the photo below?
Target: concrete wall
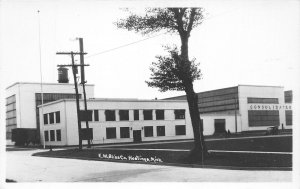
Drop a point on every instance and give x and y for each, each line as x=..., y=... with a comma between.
x=246, y=91
x=229, y=116
x=25, y=95
x=99, y=127
x=63, y=121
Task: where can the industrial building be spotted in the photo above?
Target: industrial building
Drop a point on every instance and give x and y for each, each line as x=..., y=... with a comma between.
x=238, y=109
x=117, y=120
x=23, y=98
x=244, y=108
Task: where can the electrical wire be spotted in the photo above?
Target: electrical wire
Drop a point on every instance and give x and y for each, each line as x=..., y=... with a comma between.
x=128, y=44
x=125, y=45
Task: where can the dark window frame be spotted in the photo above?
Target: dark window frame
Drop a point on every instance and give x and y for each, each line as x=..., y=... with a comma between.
x=148, y=131
x=46, y=122
x=289, y=117
x=255, y=100
x=160, y=131
x=111, y=135
x=57, y=117
x=58, y=135
x=147, y=115
x=124, y=115
x=124, y=132
x=51, y=118
x=178, y=130
x=179, y=114
x=160, y=114
x=261, y=118
x=136, y=115
x=96, y=115
x=52, y=135
x=46, y=136
x=110, y=115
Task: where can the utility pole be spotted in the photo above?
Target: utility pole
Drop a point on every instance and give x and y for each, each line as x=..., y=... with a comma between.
x=83, y=81
x=235, y=114
x=74, y=69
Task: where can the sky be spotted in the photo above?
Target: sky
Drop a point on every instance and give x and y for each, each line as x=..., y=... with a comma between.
x=239, y=42
x=254, y=42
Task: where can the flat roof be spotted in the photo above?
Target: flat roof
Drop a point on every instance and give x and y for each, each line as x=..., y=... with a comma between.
x=227, y=88
x=38, y=83
x=112, y=100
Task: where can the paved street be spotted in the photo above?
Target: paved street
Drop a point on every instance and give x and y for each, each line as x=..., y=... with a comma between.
x=22, y=167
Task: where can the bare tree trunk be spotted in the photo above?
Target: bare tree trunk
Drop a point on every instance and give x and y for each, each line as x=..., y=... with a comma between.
x=200, y=150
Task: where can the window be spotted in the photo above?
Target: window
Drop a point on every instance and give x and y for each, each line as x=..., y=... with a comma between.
x=160, y=130
x=57, y=117
x=136, y=115
x=263, y=118
x=51, y=117
x=96, y=115
x=180, y=129
x=148, y=131
x=124, y=132
x=52, y=135
x=110, y=115
x=288, y=117
x=147, y=114
x=262, y=100
x=124, y=115
x=111, y=132
x=179, y=114
x=58, y=135
x=160, y=114
x=46, y=133
x=45, y=119
x=11, y=117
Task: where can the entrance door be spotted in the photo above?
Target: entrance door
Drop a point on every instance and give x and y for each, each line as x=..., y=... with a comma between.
x=219, y=125
x=137, y=136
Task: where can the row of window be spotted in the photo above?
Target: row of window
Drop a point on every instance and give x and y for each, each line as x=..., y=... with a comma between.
x=110, y=115
x=268, y=118
x=148, y=131
x=55, y=135
x=51, y=118
x=11, y=113
x=262, y=100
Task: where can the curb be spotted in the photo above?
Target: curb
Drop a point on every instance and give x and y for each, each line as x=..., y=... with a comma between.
x=179, y=164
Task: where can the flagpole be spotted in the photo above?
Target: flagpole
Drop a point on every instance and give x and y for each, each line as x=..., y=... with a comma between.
x=41, y=77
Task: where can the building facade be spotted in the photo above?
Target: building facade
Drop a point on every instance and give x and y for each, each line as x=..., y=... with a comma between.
x=238, y=109
x=244, y=108
x=22, y=99
x=117, y=120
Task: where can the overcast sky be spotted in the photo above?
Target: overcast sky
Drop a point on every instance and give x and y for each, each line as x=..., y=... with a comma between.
x=240, y=42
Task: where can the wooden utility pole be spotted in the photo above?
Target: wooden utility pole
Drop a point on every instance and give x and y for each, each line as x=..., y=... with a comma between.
x=83, y=81
x=74, y=69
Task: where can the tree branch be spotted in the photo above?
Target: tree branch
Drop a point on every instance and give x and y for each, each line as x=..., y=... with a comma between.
x=191, y=20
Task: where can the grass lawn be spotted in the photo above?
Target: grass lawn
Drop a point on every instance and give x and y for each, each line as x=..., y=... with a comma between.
x=267, y=144
x=157, y=156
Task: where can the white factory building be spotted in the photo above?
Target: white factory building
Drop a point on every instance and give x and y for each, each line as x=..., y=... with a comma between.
x=22, y=99
x=117, y=120
x=238, y=109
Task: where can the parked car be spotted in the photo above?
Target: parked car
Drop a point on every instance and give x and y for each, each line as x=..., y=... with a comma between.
x=272, y=130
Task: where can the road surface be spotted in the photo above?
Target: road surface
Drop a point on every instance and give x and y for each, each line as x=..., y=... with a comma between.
x=22, y=167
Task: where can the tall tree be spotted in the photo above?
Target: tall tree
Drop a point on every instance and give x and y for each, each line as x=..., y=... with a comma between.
x=175, y=71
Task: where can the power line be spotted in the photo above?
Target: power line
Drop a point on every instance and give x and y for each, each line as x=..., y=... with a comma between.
x=124, y=45
x=105, y=51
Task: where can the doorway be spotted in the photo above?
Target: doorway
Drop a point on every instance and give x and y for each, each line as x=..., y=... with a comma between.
x=137, y=135
x=220, y=126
